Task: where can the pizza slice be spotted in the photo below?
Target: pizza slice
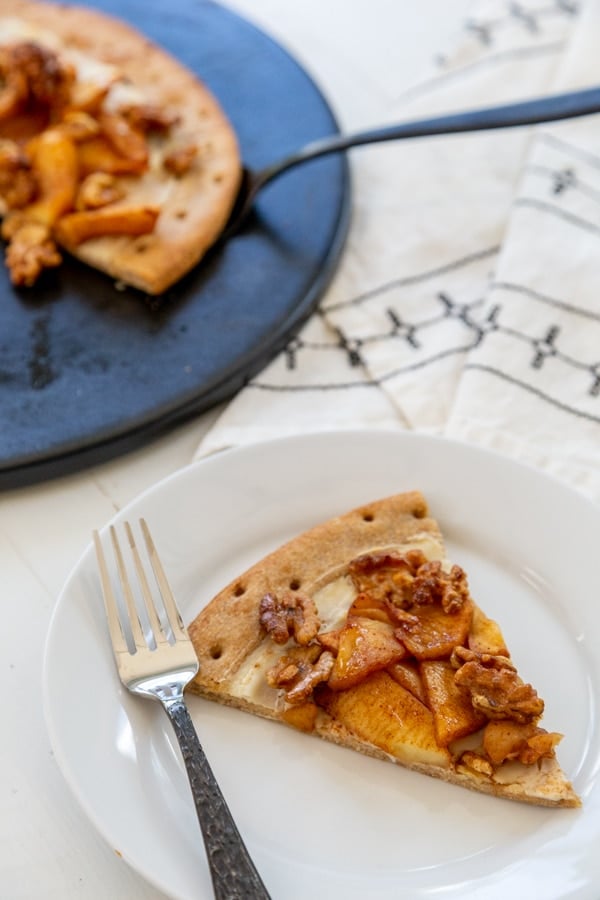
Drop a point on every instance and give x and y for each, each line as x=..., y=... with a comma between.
x=110, y=149
x=361, y=632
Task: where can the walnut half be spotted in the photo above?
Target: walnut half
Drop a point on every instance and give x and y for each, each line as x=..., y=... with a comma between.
x=300, y=671
x=497, y=690
x=409, y=580
x=290, y=615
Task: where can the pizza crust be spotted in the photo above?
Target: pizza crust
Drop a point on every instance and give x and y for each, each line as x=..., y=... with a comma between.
x=230, y=642
x=547, y=787
x=194, y=207
x=228, y=631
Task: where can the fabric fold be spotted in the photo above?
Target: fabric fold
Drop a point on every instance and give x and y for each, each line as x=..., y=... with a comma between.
x=465, y=303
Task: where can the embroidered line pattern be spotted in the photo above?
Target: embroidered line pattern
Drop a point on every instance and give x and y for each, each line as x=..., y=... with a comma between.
x=457, y=318
x=525, y=31
x=455, y=326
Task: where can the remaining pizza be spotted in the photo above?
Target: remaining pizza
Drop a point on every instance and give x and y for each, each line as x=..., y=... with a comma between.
x=109, y=148
x=362, y=632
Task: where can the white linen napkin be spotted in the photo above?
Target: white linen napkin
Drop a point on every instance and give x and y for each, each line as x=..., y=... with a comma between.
x=467, y=302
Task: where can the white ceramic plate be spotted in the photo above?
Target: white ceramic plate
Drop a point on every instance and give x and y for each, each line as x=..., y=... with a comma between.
x=319, y=820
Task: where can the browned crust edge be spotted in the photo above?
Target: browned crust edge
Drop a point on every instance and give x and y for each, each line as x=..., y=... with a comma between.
x=335, y=733
x=304, y=561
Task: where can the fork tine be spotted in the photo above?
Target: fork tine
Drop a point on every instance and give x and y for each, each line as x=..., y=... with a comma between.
x=134, y=621
x=155, y=623
x=162, y=672
x=110, y=603
x=173, y=615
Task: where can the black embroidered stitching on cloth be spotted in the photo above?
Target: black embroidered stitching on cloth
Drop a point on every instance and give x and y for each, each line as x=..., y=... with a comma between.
x=479, y=319
x=415, y=342
x=523, y=18
x=565, y=407
x=528, y=17
x=402, y=329
x=493, y=59
x=551, y=209
x=544, y=298
x=407, y=280
x=562, y=180
x=569, y=149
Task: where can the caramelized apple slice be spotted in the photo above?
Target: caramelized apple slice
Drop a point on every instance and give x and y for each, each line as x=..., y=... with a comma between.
x=430, y=633
x=97, y=155
x=453, y=713
x=367, y=607
x=302, y=716
x=330, y=640
x=381, y=712
x=407, y=674
x=485, y=635
x=365, y=645
x=504, y=739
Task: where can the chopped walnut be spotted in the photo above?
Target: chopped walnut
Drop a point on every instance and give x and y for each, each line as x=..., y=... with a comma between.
x=300, y=671
x=461, y=655
x=13, y=93
x=497, y=691
x=433, y=585
x=150, y=117
x=31, y=250
x=98, y=189
x=409, y=580
x=180, y=161
x=292, y=615
x=17, y=184
x=32, y=75
x=386, y=576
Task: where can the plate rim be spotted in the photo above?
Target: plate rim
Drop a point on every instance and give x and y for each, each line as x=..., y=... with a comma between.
x=369, y=434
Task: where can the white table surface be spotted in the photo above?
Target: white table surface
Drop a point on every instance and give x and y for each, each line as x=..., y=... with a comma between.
x=48, y=849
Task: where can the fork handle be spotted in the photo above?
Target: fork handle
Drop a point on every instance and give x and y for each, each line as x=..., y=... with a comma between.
x=233, y=873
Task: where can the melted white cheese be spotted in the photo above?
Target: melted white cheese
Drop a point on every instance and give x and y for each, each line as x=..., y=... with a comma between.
x=13, y=30
x=332, y=601
x=122, y=94
x=88, y=69
x=250, y=681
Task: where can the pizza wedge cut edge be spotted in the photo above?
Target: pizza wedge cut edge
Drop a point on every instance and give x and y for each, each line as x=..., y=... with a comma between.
x=361, y=632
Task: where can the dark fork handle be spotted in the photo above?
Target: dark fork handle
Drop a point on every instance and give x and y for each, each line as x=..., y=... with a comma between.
x=233, y=874
x=552, y=108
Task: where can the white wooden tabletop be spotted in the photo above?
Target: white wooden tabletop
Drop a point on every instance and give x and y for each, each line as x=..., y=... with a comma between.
x=48, y=848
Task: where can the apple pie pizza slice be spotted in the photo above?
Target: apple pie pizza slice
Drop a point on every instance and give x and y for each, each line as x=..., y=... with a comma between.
x=361, y=632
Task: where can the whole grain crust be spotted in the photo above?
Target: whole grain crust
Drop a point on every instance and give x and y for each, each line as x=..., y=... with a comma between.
x=227, y=631
x=195, y=206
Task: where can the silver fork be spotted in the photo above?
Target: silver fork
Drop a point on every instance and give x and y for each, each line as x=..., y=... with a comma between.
x=160, y=669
